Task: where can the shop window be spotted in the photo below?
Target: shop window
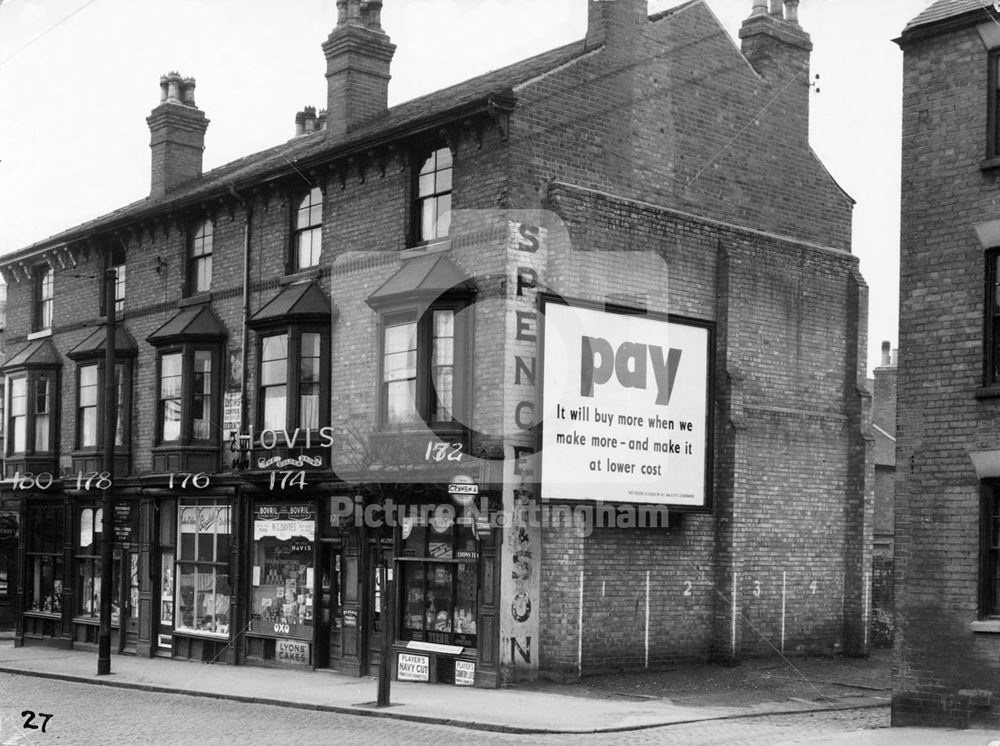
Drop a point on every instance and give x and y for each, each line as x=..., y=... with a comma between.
x=167, y=516
x=294, y=381
x=307, y=230
x=439, y=569
x=88, y=566
x=90, y=404
x=422, y=367
x=200, y=258
x=202, y=568
x=30, y=412
x=432, y=209
x=282, y=573
x=44, y=539
x=188, y=380
x=43, y=298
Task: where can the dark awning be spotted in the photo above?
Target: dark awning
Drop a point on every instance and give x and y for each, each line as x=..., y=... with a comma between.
x=37, y=353
x=425, y=278
x=295, y=303
x=191, y=324
x=93, y=345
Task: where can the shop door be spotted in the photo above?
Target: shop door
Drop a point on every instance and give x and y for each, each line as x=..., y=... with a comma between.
x=329, y=624
x=373, y=616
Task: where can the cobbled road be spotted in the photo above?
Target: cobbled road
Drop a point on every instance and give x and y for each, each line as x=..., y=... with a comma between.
x=97, y=715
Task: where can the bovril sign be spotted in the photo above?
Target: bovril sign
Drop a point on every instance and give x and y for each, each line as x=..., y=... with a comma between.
x=292, y=651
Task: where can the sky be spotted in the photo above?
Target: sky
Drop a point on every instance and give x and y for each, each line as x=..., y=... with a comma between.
x=79, y=77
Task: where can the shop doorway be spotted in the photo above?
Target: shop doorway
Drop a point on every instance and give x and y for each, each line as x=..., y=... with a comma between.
x=130, y=604
x=330, y=621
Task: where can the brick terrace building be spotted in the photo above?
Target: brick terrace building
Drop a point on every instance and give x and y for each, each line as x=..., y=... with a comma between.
x=394, y=285
x=948, y=448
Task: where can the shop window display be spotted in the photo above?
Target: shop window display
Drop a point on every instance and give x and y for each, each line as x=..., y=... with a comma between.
x=202, y=571
x=440, y=570
x=45, y=576
x=88, y=567
x=283, y=579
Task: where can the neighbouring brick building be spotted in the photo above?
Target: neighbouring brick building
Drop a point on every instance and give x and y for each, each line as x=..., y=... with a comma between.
x=947, y=636
x=883, y=387
x=456, y=337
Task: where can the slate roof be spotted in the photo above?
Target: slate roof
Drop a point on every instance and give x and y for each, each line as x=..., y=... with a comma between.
x=301, y=301
x=190, y=323
x=429, y=276
x=278, y=160
x=36, y=352
x=944, y=9
x=94, y=343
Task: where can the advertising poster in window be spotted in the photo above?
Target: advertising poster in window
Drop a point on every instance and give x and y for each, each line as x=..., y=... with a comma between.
x=625, y=406
x=283, y=575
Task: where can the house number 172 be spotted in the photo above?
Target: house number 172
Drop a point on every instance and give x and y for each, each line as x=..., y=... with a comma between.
x=443, y=451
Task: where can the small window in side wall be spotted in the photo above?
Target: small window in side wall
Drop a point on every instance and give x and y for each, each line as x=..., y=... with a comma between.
x=432, y=208
x=990, y=551
x=993, y=106
x=307, y=230
x=200, y=258
x=991, y=321
x=423, y=367
x=43, y=298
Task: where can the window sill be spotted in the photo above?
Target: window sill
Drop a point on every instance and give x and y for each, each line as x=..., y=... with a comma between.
x=988, y=392
x=195, y=300
x=427, y=247
x=201, y=633
x=41, y=334
x=300, y=275
x=986, y=625
x=44, y=614
x=989, y=164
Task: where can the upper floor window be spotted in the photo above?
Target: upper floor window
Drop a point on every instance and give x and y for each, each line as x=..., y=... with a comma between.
x=43, y=299
x=294, y=380
x=992, y=318
x=187, y=395
x=433, y=203
x=90, y=405
x=419, y=361
x=116, y=262
x=308, y=230
x=200, y=258
x=30, y=412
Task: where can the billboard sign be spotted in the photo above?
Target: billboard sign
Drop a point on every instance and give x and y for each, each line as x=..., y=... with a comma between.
x=626, y=415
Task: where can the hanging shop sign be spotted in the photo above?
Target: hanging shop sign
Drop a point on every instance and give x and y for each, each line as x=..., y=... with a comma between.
x=9, y=528
x=413, y=667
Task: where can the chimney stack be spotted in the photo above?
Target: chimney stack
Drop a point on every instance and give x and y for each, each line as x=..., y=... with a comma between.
x=613, y=22
x=778, y=48
x=358, y=53
x=177, y=135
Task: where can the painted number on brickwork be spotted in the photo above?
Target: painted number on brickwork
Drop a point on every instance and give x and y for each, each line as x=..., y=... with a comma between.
x=288, y=480
x=813, y=586
x=29, y=716
x=443, y=451
x=756, y=588
x=687, y=588
x=199, y=481
x=29, y=481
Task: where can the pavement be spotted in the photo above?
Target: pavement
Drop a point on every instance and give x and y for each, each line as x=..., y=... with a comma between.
x=601, y=704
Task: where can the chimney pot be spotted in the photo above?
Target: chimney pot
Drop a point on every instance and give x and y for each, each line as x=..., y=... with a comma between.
x=188, y=87
x=372, y=11
x=759, y=8
x=777, y=9
x=792, y=11
x=300, y=123
x=886, y=352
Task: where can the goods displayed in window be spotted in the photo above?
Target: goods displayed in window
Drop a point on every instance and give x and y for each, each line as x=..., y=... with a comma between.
x=283, y=576
x=44, y=558
x=440, y=575
x=203, y=588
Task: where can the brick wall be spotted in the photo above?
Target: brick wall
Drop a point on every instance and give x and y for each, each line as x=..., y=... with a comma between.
x=944, y=672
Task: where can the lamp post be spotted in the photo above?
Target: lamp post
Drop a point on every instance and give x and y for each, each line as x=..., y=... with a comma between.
x=107, y=518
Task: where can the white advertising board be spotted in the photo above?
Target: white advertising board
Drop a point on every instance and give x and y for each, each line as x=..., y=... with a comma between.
x=411, y=667
x=625, y=407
